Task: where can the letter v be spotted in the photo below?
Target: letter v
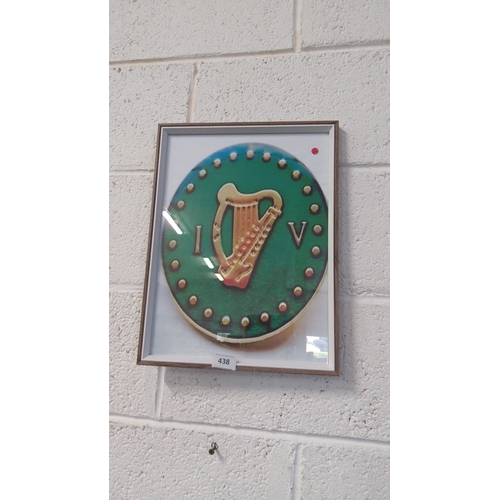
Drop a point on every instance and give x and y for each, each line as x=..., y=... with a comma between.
x=297, y=239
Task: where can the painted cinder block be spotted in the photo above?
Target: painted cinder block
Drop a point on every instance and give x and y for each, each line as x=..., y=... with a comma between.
x=364, y=227
x=154, y=463
x=141, y=97
x=173, y=28
x=349, y=86
x=132, y=388
x=347, y=472
x=344, y=22
x=130, y=199
x=355, y=404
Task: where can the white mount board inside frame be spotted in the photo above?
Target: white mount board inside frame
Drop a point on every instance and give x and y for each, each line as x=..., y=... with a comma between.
x=242, y=258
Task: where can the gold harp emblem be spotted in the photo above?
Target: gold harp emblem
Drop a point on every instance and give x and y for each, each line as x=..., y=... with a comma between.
x=249, y=232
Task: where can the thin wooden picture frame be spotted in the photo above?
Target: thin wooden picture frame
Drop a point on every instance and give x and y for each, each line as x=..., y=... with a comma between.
x=243, y=248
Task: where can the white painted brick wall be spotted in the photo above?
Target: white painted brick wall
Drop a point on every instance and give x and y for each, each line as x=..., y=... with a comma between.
x=140, y=98
x=132, y=388
x=158, y=463
x=364, y=231
x=344, y=472
x=344, y=22
x=352, y=86
x=280, y=436
x=155, y=29
x=130, y=209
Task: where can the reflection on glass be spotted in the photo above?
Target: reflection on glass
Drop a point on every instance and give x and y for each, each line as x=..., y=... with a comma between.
x=172, y=222
x=219, y=276
x=208, y=262
x=318, y=346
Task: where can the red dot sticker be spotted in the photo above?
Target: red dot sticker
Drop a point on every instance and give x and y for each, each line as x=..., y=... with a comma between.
x=314, y=151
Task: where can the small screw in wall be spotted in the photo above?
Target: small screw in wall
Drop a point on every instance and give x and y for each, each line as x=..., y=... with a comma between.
x=213, y=448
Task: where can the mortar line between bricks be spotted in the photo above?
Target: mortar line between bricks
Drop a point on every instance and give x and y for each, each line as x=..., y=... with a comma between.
x=384, y=44
x=160, y=382
x=367, y=299
x=116, y=287
x=212, y=429
x=131, y=172
x=297, y=473
x=367, y=165
x=297, y=25
x=200, y=58
x=192, y=93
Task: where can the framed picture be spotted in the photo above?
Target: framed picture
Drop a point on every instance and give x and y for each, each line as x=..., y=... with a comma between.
x=242, y=260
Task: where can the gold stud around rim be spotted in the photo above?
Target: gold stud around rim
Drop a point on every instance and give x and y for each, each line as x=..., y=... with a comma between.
x=297, y=291
x=282, y=163
x=182, y=283
x=175, y=265
x=264, y=317
x=233, y=156
x=245, y=321
x=309, y=272
x=190, y=188
x=314, y=208
x=193, y=300
x=207, y=312
x=296, y=175
x=217, y=163
x=250, y=154
x=317, y=229
x=283, y=306
x=225, y=320
x=315, y=251
x=172, y=244
x=307, y=190
x=181, y=204
x=266, y=156
x=202, y=174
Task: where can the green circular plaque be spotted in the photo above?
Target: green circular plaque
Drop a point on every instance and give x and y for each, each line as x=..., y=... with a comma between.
x=245, y=242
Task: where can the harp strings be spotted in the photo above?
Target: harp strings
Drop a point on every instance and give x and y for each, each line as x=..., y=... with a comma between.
x=245, y=215
x=247, y=227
